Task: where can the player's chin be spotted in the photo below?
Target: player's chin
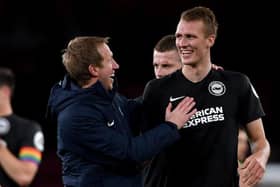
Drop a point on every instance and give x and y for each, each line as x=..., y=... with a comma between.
x=110, y=83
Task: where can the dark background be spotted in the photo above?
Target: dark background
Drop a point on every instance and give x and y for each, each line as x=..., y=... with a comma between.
x=33, y=33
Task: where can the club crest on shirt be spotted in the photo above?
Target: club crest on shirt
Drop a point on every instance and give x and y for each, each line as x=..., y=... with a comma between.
x=4, y=126
x=217, y=88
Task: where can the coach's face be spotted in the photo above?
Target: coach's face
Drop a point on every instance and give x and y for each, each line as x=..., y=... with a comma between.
x=106, y=72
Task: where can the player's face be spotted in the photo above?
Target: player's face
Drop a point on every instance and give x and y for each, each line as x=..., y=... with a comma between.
x=192, y=43
x=106, y=73
x=166, y=62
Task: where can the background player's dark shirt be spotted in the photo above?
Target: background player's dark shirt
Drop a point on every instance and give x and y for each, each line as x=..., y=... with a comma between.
x=17, y=133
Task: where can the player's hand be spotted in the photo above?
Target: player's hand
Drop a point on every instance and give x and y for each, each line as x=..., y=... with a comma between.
x=252, y=170
x=216, y=67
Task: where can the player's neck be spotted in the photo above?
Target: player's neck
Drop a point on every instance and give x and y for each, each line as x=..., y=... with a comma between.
x=5, y=109
x=196, y=73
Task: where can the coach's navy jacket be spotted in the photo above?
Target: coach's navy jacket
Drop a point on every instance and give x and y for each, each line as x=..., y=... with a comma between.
x=95, y=141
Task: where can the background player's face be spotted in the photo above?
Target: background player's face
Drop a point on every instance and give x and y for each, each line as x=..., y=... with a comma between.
x=166, y=62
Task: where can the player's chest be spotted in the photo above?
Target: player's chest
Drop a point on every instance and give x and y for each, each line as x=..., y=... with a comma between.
x=207, y=95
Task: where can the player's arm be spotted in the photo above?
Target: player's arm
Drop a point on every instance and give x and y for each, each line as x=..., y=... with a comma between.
x=253, y=168
x=22, y=172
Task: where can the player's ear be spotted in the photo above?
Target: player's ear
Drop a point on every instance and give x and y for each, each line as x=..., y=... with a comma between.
x=211, y=40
